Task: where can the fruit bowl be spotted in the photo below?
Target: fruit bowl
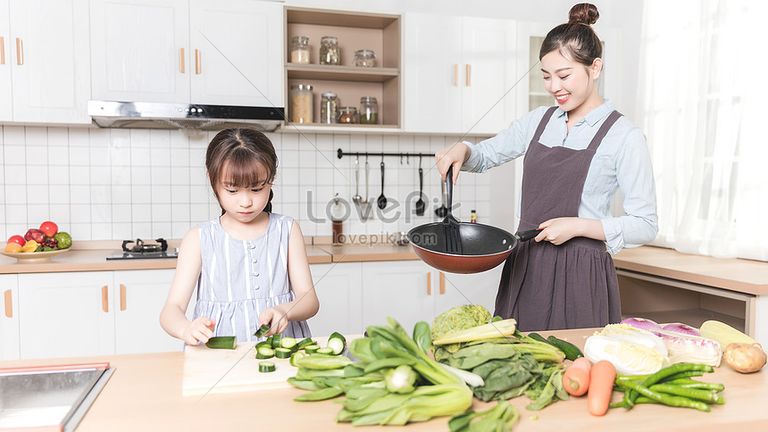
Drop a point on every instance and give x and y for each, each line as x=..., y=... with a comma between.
x=35, y=257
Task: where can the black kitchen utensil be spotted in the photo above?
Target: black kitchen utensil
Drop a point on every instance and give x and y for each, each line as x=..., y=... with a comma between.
x=382, y=199
x=420, y=205
x=441, y=211
x=450, y=223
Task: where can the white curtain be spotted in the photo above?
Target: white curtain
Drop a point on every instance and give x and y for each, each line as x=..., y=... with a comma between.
x=703, y=70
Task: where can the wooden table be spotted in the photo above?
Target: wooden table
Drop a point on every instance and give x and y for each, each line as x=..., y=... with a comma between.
x=147, y=393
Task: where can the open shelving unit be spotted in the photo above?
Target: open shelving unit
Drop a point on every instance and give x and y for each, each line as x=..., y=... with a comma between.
x=354, y=30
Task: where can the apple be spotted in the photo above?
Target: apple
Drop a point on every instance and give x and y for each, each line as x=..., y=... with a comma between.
x=19, y=240
x=34, y=234
x=49, y=228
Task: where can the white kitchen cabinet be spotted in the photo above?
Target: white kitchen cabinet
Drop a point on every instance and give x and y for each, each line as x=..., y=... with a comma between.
x=66, y=314
x=9, y=320
x=237, y=52
x=139, y=298
x=49, y=58
x=6, y=97
x=456, y=81
x=403, y=290
x=339, y=288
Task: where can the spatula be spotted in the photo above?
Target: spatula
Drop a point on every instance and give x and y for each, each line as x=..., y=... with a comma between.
x=450, y=223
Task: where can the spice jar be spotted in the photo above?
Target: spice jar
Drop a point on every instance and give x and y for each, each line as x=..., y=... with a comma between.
x=369, y=110
x=365, y=58
x=301, y=103
x=347, y=115
x=330, y=53
x=300, y=50
x=328, y=107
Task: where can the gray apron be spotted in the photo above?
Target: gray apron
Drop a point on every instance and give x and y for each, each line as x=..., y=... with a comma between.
x=548, y=287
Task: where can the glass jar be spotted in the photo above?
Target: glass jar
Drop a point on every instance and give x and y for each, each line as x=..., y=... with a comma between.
x=300, y=50
x=365, y=58
x=369, y=110
x=330, y=53
x=328, y=107
x=301, y=103
x=347, y=115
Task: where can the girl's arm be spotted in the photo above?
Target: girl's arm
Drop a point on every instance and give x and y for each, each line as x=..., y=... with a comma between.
x=306, y=304
x=173, y=317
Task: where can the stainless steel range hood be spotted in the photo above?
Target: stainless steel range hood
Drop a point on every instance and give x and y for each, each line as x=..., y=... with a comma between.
x=151, y=115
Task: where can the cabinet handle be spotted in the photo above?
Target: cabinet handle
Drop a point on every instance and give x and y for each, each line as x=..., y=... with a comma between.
x=468, y=75
x=2, y=50
x=442, y=283
x=182, y=67
x=8, y=294
x=19, y=51
x=455, y=75
x=198, y=62
x=123, y=305
x=105, y=298
x=429, y=283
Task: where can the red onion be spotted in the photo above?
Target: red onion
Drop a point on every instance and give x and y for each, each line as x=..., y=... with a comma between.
x=642, y=323
x=681, y=328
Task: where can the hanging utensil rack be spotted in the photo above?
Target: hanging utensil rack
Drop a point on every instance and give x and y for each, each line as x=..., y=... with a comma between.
x=340, y=153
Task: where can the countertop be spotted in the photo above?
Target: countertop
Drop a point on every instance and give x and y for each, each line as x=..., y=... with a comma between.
x=147, y=393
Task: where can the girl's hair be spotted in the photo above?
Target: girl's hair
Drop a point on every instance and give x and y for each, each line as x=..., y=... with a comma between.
x=575, y=40
x=248, y=156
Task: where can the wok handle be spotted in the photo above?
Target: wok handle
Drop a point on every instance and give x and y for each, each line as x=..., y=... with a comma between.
x=527, y=235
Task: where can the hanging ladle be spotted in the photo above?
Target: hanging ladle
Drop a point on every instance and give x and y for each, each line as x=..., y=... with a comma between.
x=357, y=198
x=382, y=199
x=420, y=205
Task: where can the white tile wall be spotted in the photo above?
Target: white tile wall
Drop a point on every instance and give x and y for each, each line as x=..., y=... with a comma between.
x=120, y=184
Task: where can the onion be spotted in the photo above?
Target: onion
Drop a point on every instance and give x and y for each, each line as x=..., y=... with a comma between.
x=642, y=323
x=681, y=328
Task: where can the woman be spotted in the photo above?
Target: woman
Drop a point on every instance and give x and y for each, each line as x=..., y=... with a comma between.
x=576, y=155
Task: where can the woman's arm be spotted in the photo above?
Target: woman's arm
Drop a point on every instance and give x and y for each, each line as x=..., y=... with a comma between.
x=173, y=317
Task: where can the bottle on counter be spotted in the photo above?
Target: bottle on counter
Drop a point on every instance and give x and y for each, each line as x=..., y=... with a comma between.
x=337, y=221
x=473, y=216
x=301, y=103
x=300, y=50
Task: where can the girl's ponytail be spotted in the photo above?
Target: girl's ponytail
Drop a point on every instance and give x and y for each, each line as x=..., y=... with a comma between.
x=268, y=208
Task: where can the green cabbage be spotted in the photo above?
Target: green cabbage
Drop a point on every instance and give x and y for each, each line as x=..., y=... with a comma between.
x=459, y=318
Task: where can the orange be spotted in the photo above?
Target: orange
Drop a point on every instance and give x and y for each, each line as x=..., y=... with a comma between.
x=13, y=247
x=30, y=246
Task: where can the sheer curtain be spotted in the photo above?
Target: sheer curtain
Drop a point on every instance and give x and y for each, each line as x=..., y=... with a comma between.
x=703, y=69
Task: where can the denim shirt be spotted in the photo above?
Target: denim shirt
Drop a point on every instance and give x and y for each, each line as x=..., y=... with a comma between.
x=622, y=161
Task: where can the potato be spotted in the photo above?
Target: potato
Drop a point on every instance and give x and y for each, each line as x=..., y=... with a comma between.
x=745, y=358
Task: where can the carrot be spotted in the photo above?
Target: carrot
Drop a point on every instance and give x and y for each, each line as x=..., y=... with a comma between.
x=601, y=381
x=576, y=380
x=583, y=363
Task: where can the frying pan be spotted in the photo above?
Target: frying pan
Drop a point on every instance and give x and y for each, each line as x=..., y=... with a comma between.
x=483, y=246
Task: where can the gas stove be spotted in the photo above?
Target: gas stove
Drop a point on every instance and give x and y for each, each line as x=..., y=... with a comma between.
x=138, y=249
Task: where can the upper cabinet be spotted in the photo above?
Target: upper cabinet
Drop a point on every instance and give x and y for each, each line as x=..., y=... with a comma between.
x=457, y=81
x=44, y=61
x=198, y=51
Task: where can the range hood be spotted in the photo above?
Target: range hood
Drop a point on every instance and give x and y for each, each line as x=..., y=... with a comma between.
x=152, y=115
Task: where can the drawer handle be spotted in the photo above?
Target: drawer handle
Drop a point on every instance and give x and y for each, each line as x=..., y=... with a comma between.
x=123, y=304
x=468, y=75
x=2, y=50
x=429, y=283
x=455, y=75
x=105, y=298
x=442, y=283
x=19, y=51
x=8, y=294
x=198, y=62
x=182, y=68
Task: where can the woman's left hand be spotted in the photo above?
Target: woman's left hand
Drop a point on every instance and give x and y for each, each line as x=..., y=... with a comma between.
x=559, y=230
x=276, y=317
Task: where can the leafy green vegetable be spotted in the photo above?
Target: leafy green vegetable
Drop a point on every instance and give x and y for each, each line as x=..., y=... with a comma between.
x=400, y=379
x=459, y=318
x=501, y=418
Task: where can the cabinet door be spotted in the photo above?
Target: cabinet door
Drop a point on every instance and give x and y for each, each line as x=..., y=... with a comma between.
x=237, y=50
x=51, y=66
x=432, y=74
x=401, y=290
x=488, y=72
x=339, y=289
x=9, y=317
x=66, y=314
x=140, y=50
x=139, y=298
x=461, y=289
x=6, y=100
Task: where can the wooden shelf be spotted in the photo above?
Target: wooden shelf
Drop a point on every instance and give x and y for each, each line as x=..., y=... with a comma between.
x=692, y=317
x=340, y=73
x=336, y=18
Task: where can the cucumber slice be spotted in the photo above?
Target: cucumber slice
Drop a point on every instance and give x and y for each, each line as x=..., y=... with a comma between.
x=264, y=344
x=265, y=366
x=337, y=342
x=282, y=353
x=288, y=342
x=264, y=352
x=296, y=356
x=276, y=340
x=311, y=349
x=326, y=350
x=222, y=342
x=262, y=330
x=304, y=342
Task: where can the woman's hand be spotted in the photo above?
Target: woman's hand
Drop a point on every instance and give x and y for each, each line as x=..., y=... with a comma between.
x=559, y=230
x=198, y=331
x=455, y=156
x=276, y=317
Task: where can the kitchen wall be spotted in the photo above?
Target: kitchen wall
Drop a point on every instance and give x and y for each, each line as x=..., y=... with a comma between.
x=123, y=184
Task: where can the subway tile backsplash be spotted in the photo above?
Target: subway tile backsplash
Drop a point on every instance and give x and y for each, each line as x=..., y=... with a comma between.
x=102, y=184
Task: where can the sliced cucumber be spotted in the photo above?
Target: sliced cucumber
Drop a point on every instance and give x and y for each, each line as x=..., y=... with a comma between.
x=282, y=353
x=262, y=330
x=296, y=356
x=311, y=349
x=264, y=352
x=265, y=366
x=288, y=342
x=304, y=342
x=276, y=340
x=264, y=344
x=337, y=342
x=328, y=351
x=222, y=342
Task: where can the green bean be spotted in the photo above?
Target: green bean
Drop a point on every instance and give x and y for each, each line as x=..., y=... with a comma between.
x=689, y=383
x=678, y=370
x=669, y=400
x=681, y=375
x=709, y=396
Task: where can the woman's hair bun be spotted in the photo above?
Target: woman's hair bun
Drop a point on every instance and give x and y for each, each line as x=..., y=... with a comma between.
x=583, y=13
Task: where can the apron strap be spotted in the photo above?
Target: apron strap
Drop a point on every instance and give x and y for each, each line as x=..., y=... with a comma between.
x=603, y=131
x=543, y=124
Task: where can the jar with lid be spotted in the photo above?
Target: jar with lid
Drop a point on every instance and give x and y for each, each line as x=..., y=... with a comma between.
x=369, y=110
x=347, y=115
x=328, y=107
x=301, y=103
x=330, y=53
x=365, y=58
x=300, y=50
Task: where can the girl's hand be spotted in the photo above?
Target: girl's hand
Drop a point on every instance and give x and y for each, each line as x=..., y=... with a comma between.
x=559, y=230
x=455, y=156
x=198, y=331
x=276, y=317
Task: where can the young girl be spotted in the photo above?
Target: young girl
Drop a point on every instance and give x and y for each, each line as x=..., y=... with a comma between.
x=577, y=154
x=248, y=266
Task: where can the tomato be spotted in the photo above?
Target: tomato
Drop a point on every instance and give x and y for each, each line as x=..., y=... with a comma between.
x=19, y=240
x=49, y=228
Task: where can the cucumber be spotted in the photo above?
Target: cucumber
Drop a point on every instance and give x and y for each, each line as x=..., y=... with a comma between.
x=282, y=353
x=264, y=352
x=262, y=330
x=538, y=337
x=263, y=344
x=328, y=351
x=288, y=342
x=311, y=349
x=265, y=366
x=571, y=351
x=304, y=342
x=337, y=343
x=296, y=356
x=276, y=340
x=222, y=342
